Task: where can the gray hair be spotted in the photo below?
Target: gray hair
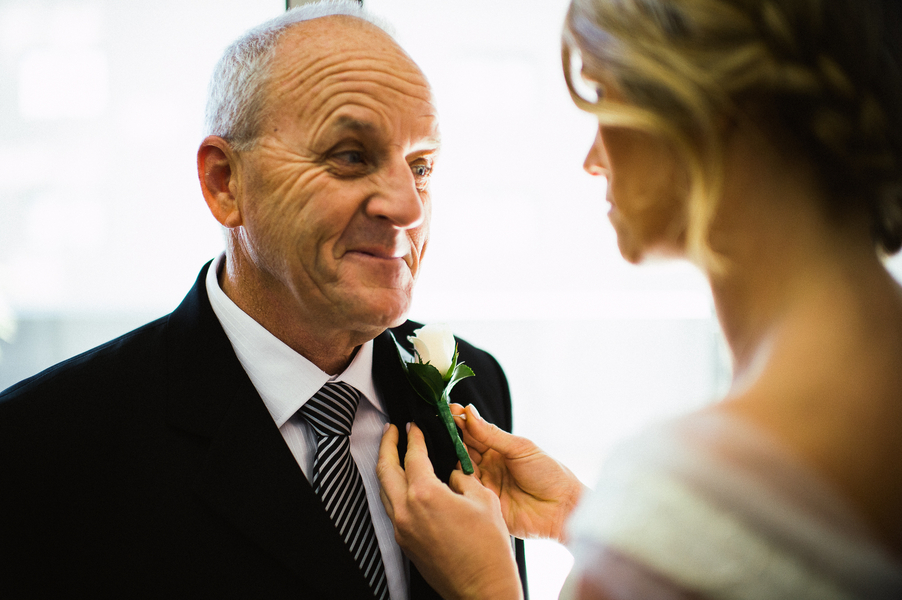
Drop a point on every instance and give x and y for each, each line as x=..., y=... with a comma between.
x=235, y=99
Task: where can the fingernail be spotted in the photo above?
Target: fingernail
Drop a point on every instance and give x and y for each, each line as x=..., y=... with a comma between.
x=475, y=412
x=385, y=428
x=408, y=428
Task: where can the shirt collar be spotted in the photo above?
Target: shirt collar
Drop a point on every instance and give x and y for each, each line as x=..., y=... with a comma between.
x=284, y=379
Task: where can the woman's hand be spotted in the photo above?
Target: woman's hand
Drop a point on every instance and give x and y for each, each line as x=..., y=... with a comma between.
x=537, y=493
x=455, y=535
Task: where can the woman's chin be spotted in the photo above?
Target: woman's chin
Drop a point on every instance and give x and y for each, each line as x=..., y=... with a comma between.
x=630, y=252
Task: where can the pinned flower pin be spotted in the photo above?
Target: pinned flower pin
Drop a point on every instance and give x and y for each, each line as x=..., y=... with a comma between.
x=433, y=373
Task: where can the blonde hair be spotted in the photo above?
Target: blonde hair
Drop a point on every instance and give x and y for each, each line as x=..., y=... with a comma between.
x=821, y=77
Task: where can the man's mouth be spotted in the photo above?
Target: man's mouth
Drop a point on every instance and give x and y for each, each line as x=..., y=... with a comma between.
x=379, y=252
x=386, y=253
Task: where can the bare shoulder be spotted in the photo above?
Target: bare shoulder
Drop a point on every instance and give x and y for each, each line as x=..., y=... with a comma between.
x=838, y=411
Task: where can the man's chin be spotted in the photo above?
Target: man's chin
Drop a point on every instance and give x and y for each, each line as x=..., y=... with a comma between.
x=394, y=318
x=379, y=310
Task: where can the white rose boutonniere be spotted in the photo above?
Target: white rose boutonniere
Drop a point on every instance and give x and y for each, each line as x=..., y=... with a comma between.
x=435, y=345
x=433, y=373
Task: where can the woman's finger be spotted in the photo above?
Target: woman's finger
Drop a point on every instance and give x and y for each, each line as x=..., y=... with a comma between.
x=483, y=436
x=475, y=457
x=464, y=484
x=416, y=461
x=387, y=503
x=392, y=479
x=469, y=440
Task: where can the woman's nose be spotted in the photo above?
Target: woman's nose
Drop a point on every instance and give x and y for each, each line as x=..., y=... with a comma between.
x=596, y=162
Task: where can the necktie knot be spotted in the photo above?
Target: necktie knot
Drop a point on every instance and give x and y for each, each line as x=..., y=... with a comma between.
x=330, y=412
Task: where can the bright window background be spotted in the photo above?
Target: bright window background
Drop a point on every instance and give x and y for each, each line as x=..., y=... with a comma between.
x=522, y=260
x=103, y=227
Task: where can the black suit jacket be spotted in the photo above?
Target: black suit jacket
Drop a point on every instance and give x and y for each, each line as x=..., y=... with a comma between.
x=150, y=467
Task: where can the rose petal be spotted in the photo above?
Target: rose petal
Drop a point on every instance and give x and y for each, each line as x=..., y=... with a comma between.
x=421, y=348
x=438, y=340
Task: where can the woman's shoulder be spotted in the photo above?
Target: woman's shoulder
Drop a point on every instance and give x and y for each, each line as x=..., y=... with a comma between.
x=842, y=430
x=715, y=504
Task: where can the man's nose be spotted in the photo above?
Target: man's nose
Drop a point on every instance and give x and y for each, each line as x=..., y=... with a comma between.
x=398, y=200
x=596, y=162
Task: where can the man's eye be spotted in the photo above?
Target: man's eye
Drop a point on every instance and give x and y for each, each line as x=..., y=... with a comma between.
x=421, y=173
x=353, y=157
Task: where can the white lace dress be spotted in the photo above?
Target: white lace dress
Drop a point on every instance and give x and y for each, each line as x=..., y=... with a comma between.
x=708, y=507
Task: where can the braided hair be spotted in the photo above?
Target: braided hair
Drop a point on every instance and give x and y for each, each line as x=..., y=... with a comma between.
x=821, y=77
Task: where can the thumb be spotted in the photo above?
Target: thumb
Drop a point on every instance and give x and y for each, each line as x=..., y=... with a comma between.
x=483, y=436
x=464, y=484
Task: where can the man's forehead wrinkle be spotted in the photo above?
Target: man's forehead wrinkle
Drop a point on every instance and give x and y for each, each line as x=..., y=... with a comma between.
x=376, y=121
x=316, y=76
x=325, y=102
x=349, y=88
x=311, y=76
x=303, y=55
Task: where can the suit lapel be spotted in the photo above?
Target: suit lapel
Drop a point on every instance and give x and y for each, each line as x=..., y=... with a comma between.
x=251, y=478
x=405, y=406
x=247, y=474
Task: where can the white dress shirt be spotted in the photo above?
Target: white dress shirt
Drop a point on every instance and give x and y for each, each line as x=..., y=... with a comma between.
x=285, y=380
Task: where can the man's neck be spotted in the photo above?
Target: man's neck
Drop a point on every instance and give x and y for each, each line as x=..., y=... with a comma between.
x=330, y=349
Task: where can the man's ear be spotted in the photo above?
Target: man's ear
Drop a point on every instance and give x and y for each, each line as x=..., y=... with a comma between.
x=216, y=169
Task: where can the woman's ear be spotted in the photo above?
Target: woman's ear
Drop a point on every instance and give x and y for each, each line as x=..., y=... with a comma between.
x=216, y=169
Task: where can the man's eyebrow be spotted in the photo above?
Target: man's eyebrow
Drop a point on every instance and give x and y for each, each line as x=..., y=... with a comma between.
x=346, y=122
x=429, y=145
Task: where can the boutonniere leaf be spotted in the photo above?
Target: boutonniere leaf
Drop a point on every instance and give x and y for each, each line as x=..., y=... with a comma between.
x=433, y=372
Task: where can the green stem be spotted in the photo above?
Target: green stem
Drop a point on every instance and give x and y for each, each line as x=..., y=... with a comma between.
x=445, y=412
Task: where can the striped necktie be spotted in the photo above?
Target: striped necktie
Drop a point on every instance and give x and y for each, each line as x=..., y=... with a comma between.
x=337, y=481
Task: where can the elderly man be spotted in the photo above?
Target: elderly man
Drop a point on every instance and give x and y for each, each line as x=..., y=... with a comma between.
x=194, y=457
